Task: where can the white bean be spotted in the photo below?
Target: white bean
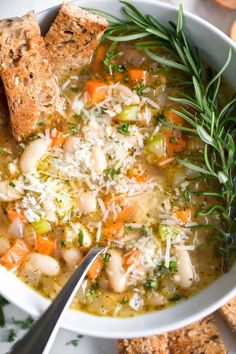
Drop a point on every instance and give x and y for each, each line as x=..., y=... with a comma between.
x=46, y=264
x=98, y=160
x=70, y=145
x=32, y=154
x=72, y=257
x=8, y=193
x=125, y=91
x=87, y=202
x=156, y=299
x=186, y=272
x=116, y=272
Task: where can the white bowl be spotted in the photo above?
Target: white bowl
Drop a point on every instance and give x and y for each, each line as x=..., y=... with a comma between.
x=214, y=48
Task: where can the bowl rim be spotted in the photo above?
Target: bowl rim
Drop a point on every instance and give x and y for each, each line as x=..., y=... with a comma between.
x=40, y=303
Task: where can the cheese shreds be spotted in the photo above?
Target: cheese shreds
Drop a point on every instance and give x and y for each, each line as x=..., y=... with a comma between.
x=167, y=254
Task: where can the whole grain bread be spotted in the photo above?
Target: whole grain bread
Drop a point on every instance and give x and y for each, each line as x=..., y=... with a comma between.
x=72, y=38
x=147, y=345
x=228, y=311
x=202, y=337
x=30, y=86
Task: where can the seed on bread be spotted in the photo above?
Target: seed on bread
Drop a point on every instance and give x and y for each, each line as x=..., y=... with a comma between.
x=146, y=345
x=31, y=89
x=228, y=311
x=72, y=38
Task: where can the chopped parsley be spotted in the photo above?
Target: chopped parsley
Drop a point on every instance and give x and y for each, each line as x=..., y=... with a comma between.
x=80, y=238
x=112, y=172
x=173, y=267
x=75, y=342
x=124, y=129
x=151, y=283
x=128, y=229
x=175, y=297
x=40, y=124
x=11, y=184
x=3, y=302
x=141, y=89
x=11, y=336
x=74, y=89
x=172, y=139
x=2, y=150
x=25, y=324
x=92, y=291
x=187, y=194
x=73, y=128
x=124, y=300
x=62, y=244
x=106, y=257
x=109, y=60
x=159, y=116
x=143, y=231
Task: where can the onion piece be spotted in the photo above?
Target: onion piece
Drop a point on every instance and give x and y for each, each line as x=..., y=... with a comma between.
x=30, y=234
x=16, y=228
x=4, y=245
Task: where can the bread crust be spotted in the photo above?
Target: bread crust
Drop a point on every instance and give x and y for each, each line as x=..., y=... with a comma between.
x=228, y=311
x=31, y=88
x=72, y=38
x=200, y=337
x=147, y=345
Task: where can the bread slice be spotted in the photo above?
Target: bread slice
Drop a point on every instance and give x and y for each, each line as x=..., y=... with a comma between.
x=4, y=112
x=72, y=38
x=198, y=338
x=228, y=311
x=30, y=86
x=147, y=345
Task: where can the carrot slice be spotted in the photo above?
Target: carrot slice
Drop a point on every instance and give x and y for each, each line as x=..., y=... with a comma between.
x=137, y=75
x=12, y=213
x=139, y=178
x=131, y=257
x=95, y=269
x=174, y=142
x=15, y=255
x=97, y=91
x=44, y=246
x=115, y=229
x=98, y=59
x=173, y=117
x=57, y=138
x=184, y=215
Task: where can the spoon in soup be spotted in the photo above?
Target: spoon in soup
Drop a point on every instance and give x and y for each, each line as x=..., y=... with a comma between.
x=40, y=337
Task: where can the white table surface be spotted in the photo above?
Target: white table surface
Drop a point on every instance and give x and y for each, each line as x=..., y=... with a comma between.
x=208, y=10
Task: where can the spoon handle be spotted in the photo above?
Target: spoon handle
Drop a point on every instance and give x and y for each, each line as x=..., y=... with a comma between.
x=43, y=332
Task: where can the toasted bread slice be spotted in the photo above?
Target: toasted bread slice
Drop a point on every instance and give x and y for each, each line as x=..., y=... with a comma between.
x=228, y=311
x=72, y=38
x=147, y=345
x=230, y=4
x=30, y=86
x=200, y=337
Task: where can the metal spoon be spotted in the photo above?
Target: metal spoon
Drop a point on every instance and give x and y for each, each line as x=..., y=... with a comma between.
x=42, y=334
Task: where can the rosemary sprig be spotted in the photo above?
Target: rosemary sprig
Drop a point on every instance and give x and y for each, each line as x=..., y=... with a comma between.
x=215, y=126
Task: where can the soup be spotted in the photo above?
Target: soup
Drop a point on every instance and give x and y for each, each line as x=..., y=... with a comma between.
x=108, y=174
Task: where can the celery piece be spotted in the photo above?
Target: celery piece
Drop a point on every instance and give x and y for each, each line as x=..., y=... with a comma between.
x=65, y=204
x=165, y=230
x=156, y=145
x=42, y=226
x=128, y=114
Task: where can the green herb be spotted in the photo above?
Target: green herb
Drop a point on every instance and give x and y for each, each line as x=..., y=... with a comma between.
x=163, y=269
x=40, y=124
x=106, y=257
x=151, y=283
x=109, y=63
x=124, y=129
x=143, y=231
x=74, y=89
x=75, y=342
x=11, y=336
x=172, y=139
x=187, y=194
x=210, y=122
x=80, y=238
x=2, y=150
x=159, y=117
x=3, y=302
x=62, y=244
x=73, y=128
x=25, y=324
x=11, y=184
x=141, y=89
x=112, y=173
x=124, y=300
x=175, y=297
x=92, y=291
x=128, y=229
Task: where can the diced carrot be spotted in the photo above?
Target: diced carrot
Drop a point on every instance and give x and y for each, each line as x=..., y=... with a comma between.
x=131, y=257
x=113, y=230
x=57, y=138
x=95, y=269
x=139, y=178
x=15, y=255
x=173, y=117
x=137, y=75
x=97, y=91
x=44, y=246
x=174, y=142
x=98, y=59
x=184, y=215
x=116, y=77
x=12, y=213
